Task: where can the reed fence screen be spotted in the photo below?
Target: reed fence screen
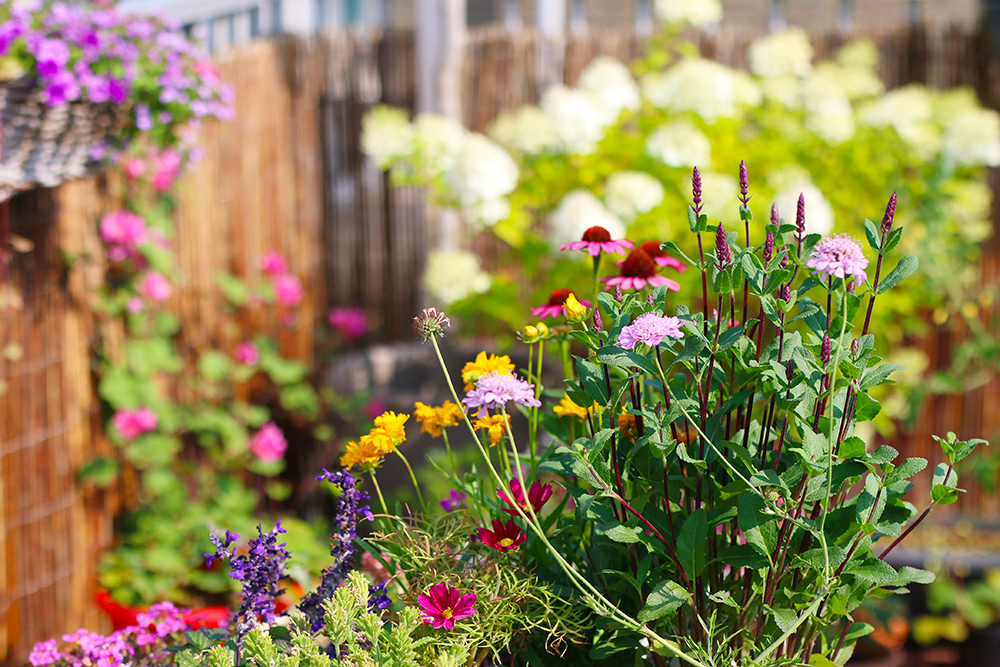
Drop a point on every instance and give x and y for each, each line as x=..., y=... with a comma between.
x=288, y=174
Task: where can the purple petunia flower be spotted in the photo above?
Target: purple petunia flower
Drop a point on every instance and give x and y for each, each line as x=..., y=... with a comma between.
x=839, y=255
x=649, y=329
x=495, y=390
x=52, y=56
x=61, y=89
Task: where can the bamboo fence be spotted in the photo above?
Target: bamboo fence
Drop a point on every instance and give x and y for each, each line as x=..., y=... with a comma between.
x=287, y=174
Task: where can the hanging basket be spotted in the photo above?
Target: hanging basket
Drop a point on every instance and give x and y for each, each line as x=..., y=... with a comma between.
x=44, y=146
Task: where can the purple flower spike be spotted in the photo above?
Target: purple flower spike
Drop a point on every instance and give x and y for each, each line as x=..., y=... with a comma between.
x=696, y=190
x=890, y=213
x=824, y=350
x=800, y=215
x=769, y=247
x=775, y=218
x=744, y=182
x=723, y=253
x=598, y=321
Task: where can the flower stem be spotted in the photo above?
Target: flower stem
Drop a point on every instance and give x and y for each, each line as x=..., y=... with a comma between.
x=413, y=478
x=451, y=457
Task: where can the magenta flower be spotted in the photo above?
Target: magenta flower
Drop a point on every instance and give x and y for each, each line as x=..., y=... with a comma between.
x=504, y=536
x=45, y=653
x=273, y=263
x=554, y=307
x=649, y=329
x=454, y=501
x=268, y=444
x=134, y=167
x=155, y=286
x=444, y=605
x=246, y=353
x=288, y=290
x=661, y=258
x=637, y=271
x=538, y=495
x=495, y=390
x=349, y=321
x=598, y=239
x=130, y=424
x=839, y=255
x=168, y=167
x=123, y=228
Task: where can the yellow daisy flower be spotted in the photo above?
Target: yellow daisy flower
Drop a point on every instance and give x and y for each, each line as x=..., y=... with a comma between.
x=433, y=419
x=364, y=453
x=391, y=424
x=496, y=426
x=483, y=365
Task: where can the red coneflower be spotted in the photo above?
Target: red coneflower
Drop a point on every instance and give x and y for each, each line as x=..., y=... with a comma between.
x=637, y=271
x=597, y=239
x=504, y=536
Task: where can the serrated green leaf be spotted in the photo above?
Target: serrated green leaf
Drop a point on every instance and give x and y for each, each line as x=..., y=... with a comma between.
x=906, y=266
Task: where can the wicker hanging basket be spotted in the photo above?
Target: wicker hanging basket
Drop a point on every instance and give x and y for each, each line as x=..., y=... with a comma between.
x=44, y=146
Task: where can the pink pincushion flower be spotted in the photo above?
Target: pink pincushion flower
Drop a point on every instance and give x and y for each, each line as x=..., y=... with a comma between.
x=349, y=321
x=554, y=307
x=273, y=263
x=246, y=353
x=637, y=271
x=598, y=239
x=130, y=424
x=288, y=290
x=167, y=168
x=444, y=605
x=538, y=495
x=495, y=390
x=649, y=329
x=268, y=444
x=839, y=255
x=155, y=286
x=504, y=536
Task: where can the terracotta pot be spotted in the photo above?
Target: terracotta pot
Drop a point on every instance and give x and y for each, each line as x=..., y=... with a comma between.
x=123, y=616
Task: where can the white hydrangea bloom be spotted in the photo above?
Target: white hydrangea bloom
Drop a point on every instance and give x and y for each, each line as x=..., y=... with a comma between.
x=528, y=130
x=488, y=211
x=785, y=52
x=629, y=194
x=578, y=211
x=785, y=89
x=721, y=196
x=829, y=113
x=859, y=55
x=707, y=88
x=451, y=276
x=972, y=137
x=698, y=13
x=440, y=141
x=819, y=212
x=612, y=83
x=387, y=136
x=855, y=83
x=483, y=175
x=909, y=111
x=578, y=116
x=680, y=144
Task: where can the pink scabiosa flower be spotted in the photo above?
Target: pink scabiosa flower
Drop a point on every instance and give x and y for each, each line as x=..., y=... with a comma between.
x=130, y=424
x=351, y=322
x=247, y=353
x=273, y=263
x=839, y=255
x=555, y=306
x=155, y=286
x=504, y=536
x=443, y=605
x=637, y=271
x=598, y=239
x=538, y=495
x=495, y=390
x=288, y=290
x=649, y=329
x=268, y=444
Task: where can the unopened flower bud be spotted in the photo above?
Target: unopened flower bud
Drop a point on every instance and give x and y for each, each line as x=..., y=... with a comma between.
x=790, y=370
x=768, y=247
x=890, y=213
x=851, y=285
x=598, y=321
x=696, y=189
x=744, y=182
x=855, y=347
x=824, y=350
x=785, y=293
x=529, y=333
x=430, y=323
x=543, y=329
x=575, y=311
x=619, y=295
x=775, y=218
x=650, y=300
x=800, y=215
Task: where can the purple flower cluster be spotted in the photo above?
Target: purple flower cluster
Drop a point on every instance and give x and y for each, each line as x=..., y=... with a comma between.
x=130, y=645
x=649, y=329
x=260, y=570
x=495, y=390
x=350, y=504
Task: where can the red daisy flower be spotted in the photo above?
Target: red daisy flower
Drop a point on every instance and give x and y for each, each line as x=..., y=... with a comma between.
x=537, y=496
x=445, y=605
x=554, y=306
x=597, y=239
x=504, y=536
x=637, y=271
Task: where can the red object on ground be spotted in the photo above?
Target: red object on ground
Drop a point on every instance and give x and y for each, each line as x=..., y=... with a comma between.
x=123, y=616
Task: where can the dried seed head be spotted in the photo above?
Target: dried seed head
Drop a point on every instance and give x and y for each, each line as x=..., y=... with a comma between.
x=890, y=213
x=430, y=323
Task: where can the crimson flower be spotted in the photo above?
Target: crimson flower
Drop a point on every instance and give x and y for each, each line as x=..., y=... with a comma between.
x=445, y=605
x=637, y=271
x=504, y=536
x=597, y=239
x=538, y=495
x=554, y=306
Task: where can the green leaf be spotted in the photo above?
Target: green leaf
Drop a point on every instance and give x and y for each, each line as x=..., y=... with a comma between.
x=892, y=240
x=100, y=471
x=868, y=510
x=743, y=555
x=691, y=543
x=233, y=288
x=213, y=365
x=905, y=470
x=906, y=266
x=665, y=598
x=911, y=575
x=623, y=534
x=871, y=233
x=758, y=527
x=874, y=570
x=592, y=378
x=877, y=375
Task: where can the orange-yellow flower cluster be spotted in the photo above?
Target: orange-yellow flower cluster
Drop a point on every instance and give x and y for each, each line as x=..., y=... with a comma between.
x=433, y=419
x=567, y=408
x=382, y=440
x=496, y=426
x=473, y=370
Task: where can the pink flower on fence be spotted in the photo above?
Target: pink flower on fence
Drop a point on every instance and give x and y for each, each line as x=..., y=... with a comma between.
x=167, y=169
x=135, y=305
x=155, y=286
x=268, y=444
x=134, y=167
x=122, y=231
x=288, y=290
x=273, y=263
x=130, y=424
x=349, y=321
x=247, y=353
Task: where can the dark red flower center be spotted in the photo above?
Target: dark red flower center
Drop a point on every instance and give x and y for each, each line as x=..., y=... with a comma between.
x=652, y=248
x=638, y=264
x=559, y=296
x=597, y=235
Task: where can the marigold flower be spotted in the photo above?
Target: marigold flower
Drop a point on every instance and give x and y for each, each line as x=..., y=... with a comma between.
x=650, y=329
x=432, y=419
x=496, y=425
x=444, y=605
x=495, y=390
x=556, y=305
x=598, y=239
x=839, y=255
x=567, y=408
x=538, y=495
x=637, y=271
x=391, y=425
x=365, y=453
x=504, y=536
x=473, y=370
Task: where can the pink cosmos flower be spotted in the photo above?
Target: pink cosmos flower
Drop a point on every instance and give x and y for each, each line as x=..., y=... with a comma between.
x=273, y=263
x=445, y=605
x=167, y=168
x=649, y=329
x=554, y=306
x=130, y=424
x=661, y=258
x=134, y=167
x=538, y=495
x=155, y=286
x=288, y=289
x=495, y=390
x=598, y=239
x=268, y=444
x=135, y=305
x=504, y=536
x=349, y=321
x=839, y=255
x=637, y=271
x=246, y=353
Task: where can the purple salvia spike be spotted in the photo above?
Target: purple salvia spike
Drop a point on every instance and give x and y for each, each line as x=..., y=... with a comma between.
x=890, y=213
x=789, y=371
x=785, y=293
x=768, y=247
x=824, y=350
x=619, y=295
x=744, y=182
x=598, y=321
x=650, y=300
x=800, y=215
x=775, y=218
x=696, y=189
x=723, y=253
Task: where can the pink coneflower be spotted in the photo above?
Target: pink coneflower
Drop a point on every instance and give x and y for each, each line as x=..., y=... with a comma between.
x=637, y=271
x=649, y=329
x=454, y=501
x=273, y=263
x=597, y=239
x=504, y=536
x=155, y=286
x=555, y=305
x=247, y=353
x=538, y=495
x=444, y=605
x=349, y=321
x=839, y=255
x=268, y=444
x=661, y=258
x=288, y=290
x=130, y=424
x=495, y=390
